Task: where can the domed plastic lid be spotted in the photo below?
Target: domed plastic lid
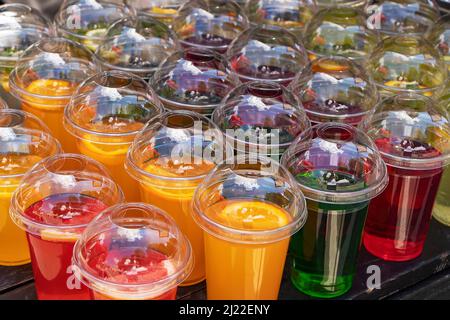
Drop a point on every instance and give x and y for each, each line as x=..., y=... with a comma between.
x=410, y=132
x=49, y=71
x=194, y=79
x=393, y=17
x=211, y=24
x=335, y=89
x=111, y=107
x=440, y=35
x=336, y=163
x=24, y=141
x=179, y=147
x=340, y=31
x=266, y=53
x=261, y=117
x=290, y=14
x=342, y=3
x=137, y=45
x=249, y=199
x=162, y=10
x=133, y=251
x=87, y=21
x=405, y=64
x=61, y=194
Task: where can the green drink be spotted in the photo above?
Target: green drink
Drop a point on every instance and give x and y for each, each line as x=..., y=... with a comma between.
x=441, y=209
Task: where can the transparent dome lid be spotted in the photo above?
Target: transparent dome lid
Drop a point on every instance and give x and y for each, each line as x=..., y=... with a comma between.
x=411, y=132
x=110, y=106
x=293, y=15
x=249, y=199
x=394, y=17
x=194, y=79
x=24, y=141
x=133, y=251
x=266, y=53
x=335, y=89
x=49, y=71
x=405, y=64
x=261, y=117
x=180, y=147
x=440, y=36
x=61, y=194
x=342, y=3
x=87, y=21
x=340, y=31
x=137, y=44
x=162, y=10
x=336, y=163
x=210, y=24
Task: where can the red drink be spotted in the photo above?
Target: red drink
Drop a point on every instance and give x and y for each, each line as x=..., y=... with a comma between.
x=51, y=252
x=208, y=40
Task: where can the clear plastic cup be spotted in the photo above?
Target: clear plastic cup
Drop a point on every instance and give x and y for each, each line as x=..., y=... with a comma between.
x=195, y=79
x=209, y=24
x=87, y=21
x=335, y=89
x=439, y=35
x=406, y=64
x=397, y=17
x=137, y=45
x=293, y=15
x=267, y=53
x=248, y=208
x=24, y=141
x=132, y=251
x=340, y=31
x=20, y=27
x=46, y=76
x=342, y=3
x=169, y=159
x=163, y=10
x=105, y=114
x=261, y=118
x=54, y=203
x=339, y=170
x=414, y=140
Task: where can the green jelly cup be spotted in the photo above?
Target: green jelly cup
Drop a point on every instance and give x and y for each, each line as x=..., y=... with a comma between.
x=339, y=170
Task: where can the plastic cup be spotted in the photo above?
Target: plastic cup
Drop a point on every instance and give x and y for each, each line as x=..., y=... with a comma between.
x=105, y=114
x=340, y=31
x=20, y=27
x=248, y=208
x=439, y=36
x=342, y=3
x=137, y=45
x=293, y=15
x=335, y=89
x=55, y=201
x=211, y=24
x=407, y=64
x=260, y=118
x=24, y=141
x=132, y=251
x=87, y=21
x=339, y=170
x=46, y=76
x=414, y=140
x=194, y=80
x=266, y=53
x=162, y=10
x=397, y=17
x=169, y=159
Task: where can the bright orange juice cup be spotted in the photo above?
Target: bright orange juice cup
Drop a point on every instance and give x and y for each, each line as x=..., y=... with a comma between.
x=46, y=76
x=24, y=141
x=248, y=208
x=169, y=160
x=105, y=114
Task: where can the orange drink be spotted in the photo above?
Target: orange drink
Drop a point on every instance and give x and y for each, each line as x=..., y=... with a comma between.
x=168, y=180
x=248, y=210
x=46, y=76
x=105, y=114
x=24, y=141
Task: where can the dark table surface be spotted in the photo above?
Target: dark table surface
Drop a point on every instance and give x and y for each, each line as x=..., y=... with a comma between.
x=427, y=277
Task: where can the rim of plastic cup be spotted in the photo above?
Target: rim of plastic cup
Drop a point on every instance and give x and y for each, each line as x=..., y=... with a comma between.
x=73, y=128
x=349, y=197
x=253, y=236
x=101, y=285
x=34, y=227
